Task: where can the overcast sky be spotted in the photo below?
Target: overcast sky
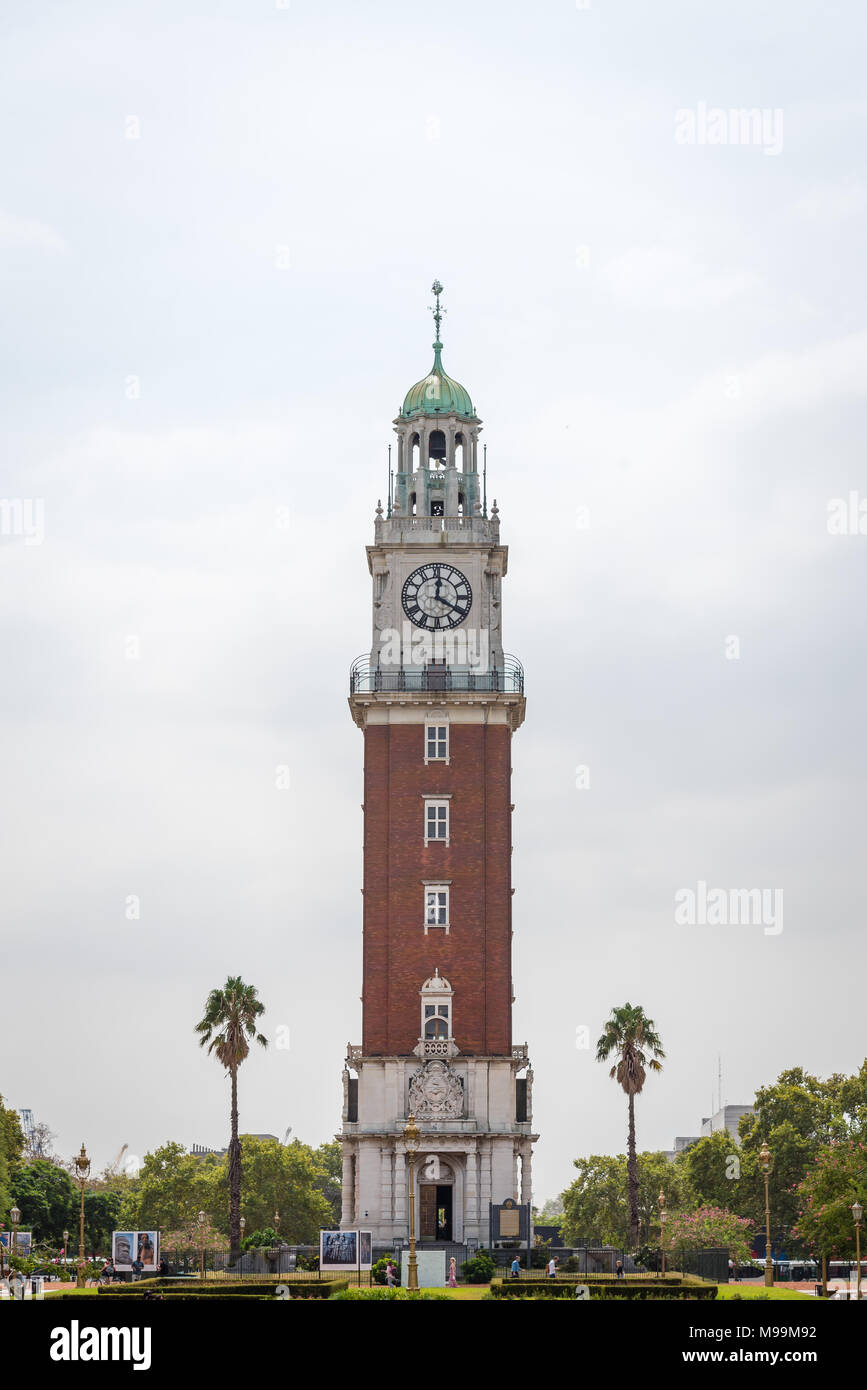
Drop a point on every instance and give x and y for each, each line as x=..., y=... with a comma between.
x=219, y=224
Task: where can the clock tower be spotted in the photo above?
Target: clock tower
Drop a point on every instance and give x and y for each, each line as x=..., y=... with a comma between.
x=437, y=701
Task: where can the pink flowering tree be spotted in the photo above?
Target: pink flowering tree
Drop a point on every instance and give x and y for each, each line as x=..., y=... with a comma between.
x=711, y=1228
x=837, y=1177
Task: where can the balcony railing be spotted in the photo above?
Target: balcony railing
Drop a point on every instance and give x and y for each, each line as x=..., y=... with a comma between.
x=364, y=679
x=481, y=527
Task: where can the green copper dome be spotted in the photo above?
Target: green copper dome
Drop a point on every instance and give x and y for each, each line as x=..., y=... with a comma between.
x=437, y=393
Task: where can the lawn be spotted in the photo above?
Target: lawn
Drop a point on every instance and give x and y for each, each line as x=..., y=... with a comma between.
x=750, y=1291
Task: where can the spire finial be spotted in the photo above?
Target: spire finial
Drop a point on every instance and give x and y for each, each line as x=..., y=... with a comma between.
x=437, y=289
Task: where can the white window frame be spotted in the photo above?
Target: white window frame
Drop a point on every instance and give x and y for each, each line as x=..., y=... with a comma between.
x=442, y=1004
x=433, y=726
x=445, y=907
x=437, y=803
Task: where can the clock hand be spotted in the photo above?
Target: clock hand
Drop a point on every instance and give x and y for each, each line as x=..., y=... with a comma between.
x=448, y=604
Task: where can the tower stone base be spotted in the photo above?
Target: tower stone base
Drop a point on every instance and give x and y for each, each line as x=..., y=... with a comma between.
x=473, y=1149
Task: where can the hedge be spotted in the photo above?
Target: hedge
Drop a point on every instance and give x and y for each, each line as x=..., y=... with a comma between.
x=219, y=1288
x=549, y=1288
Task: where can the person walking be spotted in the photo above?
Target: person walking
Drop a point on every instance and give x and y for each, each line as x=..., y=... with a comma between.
x=453, y=1273
x=552, y=1267
x=618, y=1269
x=137, y=1268
x=389, y=1275
x=516, y=1267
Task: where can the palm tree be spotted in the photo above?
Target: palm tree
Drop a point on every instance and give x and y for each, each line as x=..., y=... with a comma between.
x=229, y=1021
x=631, y=1035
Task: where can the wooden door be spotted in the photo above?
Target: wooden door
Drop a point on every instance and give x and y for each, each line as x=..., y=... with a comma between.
x=428, y=1211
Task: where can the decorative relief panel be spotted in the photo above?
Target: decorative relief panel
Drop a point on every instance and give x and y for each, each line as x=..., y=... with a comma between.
x=436, y=1092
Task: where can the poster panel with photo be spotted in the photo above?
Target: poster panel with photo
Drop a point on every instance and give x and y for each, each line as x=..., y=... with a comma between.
x=345, y=1250
x=23, y=1242
x=127, y=1246
x=148, y=1247
x=123, y=1246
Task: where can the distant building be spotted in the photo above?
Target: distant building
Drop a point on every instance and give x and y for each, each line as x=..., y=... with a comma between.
x=725, y=1119
x=199, y=1150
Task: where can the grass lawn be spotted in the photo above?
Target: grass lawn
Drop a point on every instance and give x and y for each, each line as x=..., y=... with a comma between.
x=759, y=1291
x=59, y=1290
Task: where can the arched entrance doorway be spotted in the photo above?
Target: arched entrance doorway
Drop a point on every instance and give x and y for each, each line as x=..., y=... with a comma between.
x=437, y=1196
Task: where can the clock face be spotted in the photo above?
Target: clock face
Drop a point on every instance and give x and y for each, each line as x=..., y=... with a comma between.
x=436, y=596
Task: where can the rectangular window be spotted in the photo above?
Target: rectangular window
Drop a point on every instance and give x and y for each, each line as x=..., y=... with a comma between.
x=436, y=906
x=436, y=821
x=436, y=743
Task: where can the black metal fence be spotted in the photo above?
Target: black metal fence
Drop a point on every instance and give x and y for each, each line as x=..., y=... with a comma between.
x=302, y=1262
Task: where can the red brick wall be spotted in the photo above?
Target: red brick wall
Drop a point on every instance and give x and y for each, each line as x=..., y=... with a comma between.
x=475, y=957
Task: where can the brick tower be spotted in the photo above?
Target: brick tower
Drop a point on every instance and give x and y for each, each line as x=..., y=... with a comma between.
x=437, y=701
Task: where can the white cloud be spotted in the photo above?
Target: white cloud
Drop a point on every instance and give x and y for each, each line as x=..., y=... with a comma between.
x=660, y=277
x=27, y=233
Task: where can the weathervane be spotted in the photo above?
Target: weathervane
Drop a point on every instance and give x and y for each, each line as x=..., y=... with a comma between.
x=437, y=289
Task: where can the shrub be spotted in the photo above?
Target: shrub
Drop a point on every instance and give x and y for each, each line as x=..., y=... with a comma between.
x=479, y=1270
x=378, y=1270
x=391, y=1295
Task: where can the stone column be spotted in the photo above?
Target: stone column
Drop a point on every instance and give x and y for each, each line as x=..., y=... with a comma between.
x=401, y=1176
x=451, y=492
x=527, y=1172
x=347, y=1190
x=515, y=1155
x=386, y=1210
x=485, y=1187
x=471, y=1193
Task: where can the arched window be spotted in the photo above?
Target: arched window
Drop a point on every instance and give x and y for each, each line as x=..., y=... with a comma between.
x=436, y=1009
x=437, y=445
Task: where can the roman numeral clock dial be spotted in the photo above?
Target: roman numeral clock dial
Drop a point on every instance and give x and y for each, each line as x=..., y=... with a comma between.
x=436, y=596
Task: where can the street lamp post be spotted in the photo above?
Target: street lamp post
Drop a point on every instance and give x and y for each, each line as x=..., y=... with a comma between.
x=15, y=1217
x=65, y=1249
x=82, y=1173
x=202, y=1218
x=765, y=1157
x=662, y=1215
x=412, y=1135
x=858, y=1212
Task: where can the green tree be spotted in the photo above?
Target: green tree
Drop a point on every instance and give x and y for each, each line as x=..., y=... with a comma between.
x=283, y=1178
x=228, y=1024
x=595, y=1207
x=329, y=1160
x=171, y=1188
x=11, y=1149
x=101, y=1212
x=47, y=1198
x=798, y=1116
x=631, y=1037
x=711, y=1228
x=824, y=1198
x=715, y=1171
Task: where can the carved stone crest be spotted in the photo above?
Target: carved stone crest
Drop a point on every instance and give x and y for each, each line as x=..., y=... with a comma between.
x=436, y=1092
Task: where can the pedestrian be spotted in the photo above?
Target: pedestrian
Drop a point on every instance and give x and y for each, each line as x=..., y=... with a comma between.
x=516, y=1267
x=552, y=1267
x=453, y=1273
x=389, y=1275
x=137, y=1268
x=618, y=1269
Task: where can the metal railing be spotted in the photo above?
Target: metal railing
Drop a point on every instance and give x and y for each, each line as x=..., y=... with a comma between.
x=366, y=679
